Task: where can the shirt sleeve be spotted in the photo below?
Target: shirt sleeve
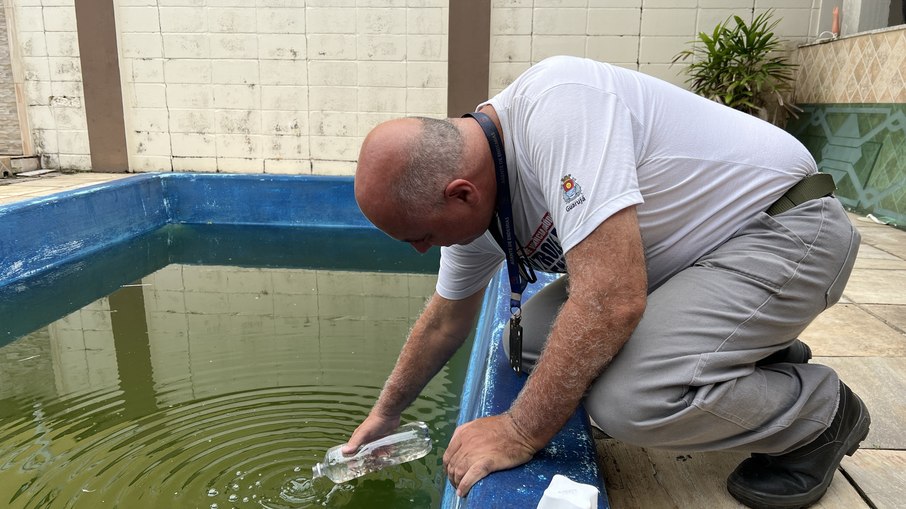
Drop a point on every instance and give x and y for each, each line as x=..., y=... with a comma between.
x=582, y=144
x=466, y=269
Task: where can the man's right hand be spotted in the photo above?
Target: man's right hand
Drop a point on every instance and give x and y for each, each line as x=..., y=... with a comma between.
x=437, y=334
x=372, y=428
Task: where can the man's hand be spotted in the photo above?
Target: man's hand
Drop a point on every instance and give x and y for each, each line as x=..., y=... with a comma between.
x=438, y=333
x=483, y=446
x=372, y=428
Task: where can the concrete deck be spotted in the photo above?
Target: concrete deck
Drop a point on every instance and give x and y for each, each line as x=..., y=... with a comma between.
x=863, y=337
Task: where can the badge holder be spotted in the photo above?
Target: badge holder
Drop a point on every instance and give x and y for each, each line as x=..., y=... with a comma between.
x=518, y=267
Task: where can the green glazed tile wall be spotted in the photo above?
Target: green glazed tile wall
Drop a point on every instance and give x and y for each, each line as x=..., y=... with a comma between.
x=864, y=147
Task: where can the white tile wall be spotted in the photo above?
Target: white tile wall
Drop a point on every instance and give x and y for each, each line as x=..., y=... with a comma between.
x=559, y=21
x=228, y=85
x=53, y=81
x=642, y=35
x=621, y=49
x=292, y=86
x=611, y=22
x=281, y=86
x=708, y=17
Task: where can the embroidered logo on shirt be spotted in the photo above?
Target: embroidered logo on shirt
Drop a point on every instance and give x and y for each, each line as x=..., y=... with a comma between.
x=572, y=192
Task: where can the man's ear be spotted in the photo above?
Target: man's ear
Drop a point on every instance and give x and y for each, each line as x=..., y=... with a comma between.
x=463, y=191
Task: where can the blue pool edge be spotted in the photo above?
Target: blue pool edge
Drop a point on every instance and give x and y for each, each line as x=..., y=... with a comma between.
x=490, y=388
x=39, y=234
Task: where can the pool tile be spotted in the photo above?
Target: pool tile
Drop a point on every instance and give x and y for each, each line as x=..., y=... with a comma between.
x=249, y=281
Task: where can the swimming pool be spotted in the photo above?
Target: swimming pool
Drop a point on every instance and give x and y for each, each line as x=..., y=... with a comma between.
x=44, y=233
x=202, y=384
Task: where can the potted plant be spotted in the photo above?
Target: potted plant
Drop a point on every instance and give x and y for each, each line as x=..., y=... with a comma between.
x=743, y=66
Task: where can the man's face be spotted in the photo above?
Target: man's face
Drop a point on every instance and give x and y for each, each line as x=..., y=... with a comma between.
x=449, y=224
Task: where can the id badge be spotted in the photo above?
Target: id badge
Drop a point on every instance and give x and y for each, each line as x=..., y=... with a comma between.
x=516, y=344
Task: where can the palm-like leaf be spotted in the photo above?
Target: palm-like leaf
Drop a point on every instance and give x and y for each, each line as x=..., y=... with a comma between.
x=741, y=65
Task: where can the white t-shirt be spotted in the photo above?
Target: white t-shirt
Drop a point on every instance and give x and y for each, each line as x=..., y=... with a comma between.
x=585, y=139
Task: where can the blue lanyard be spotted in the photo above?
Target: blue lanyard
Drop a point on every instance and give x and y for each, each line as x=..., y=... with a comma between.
x=518, y=267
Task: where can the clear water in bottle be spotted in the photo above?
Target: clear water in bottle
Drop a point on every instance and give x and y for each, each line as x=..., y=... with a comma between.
x=409, y=442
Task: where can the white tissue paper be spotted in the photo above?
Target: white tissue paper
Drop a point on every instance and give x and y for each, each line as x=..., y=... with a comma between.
x=564, y=493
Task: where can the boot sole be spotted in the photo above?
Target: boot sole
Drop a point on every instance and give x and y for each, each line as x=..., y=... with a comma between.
x=758, y=500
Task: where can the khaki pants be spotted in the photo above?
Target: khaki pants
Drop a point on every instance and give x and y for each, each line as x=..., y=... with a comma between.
x=686, y=379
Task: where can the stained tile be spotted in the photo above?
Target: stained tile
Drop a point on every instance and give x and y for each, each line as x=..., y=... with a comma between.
x=877, y=286
x=826, y=70
x=31, y=188
x=641, y=478
x=890, y=262
x=881, y=383
x=884, y=238
x=848, y=330
x=881, y=475
x=893, y=315
x=874, y=68
x=883, y=51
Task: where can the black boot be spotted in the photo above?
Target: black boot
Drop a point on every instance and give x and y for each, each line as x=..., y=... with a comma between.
x=797, y=353
x=800, y=478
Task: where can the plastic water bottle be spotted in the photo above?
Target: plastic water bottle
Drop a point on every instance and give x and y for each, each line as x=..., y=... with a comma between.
x=409, y=442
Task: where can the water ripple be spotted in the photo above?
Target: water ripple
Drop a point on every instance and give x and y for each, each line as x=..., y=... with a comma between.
x=251, y=448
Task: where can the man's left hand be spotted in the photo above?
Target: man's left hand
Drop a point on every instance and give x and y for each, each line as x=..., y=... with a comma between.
x=483, y=446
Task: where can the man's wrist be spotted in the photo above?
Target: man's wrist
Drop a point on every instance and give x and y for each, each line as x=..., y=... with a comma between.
x=524, y=435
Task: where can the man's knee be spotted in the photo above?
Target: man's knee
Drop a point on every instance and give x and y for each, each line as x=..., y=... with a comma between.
x=633, y=415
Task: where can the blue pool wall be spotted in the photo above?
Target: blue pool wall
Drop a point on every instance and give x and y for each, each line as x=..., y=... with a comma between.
x=490, y=388
x=41, y=234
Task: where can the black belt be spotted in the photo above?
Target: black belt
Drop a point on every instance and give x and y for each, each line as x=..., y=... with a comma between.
x=817, y=185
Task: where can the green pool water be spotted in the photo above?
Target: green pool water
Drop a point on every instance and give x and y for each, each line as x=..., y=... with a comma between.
x=211, y=367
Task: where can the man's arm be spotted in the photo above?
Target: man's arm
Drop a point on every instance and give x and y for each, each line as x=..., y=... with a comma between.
x=608, y=290
x=440, y=330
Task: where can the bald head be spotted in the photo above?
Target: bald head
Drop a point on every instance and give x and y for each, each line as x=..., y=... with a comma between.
x=405, y=164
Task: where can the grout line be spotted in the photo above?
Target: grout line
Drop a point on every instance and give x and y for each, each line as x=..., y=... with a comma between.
x=859, y=490
x=309, y=110
x=638, y=47
x=165, y=83
x=531, y=37
x=887, y=252
x=893, y=326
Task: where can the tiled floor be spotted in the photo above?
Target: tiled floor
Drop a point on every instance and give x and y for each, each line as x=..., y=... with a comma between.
x=863, y=338
x=22, y=188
